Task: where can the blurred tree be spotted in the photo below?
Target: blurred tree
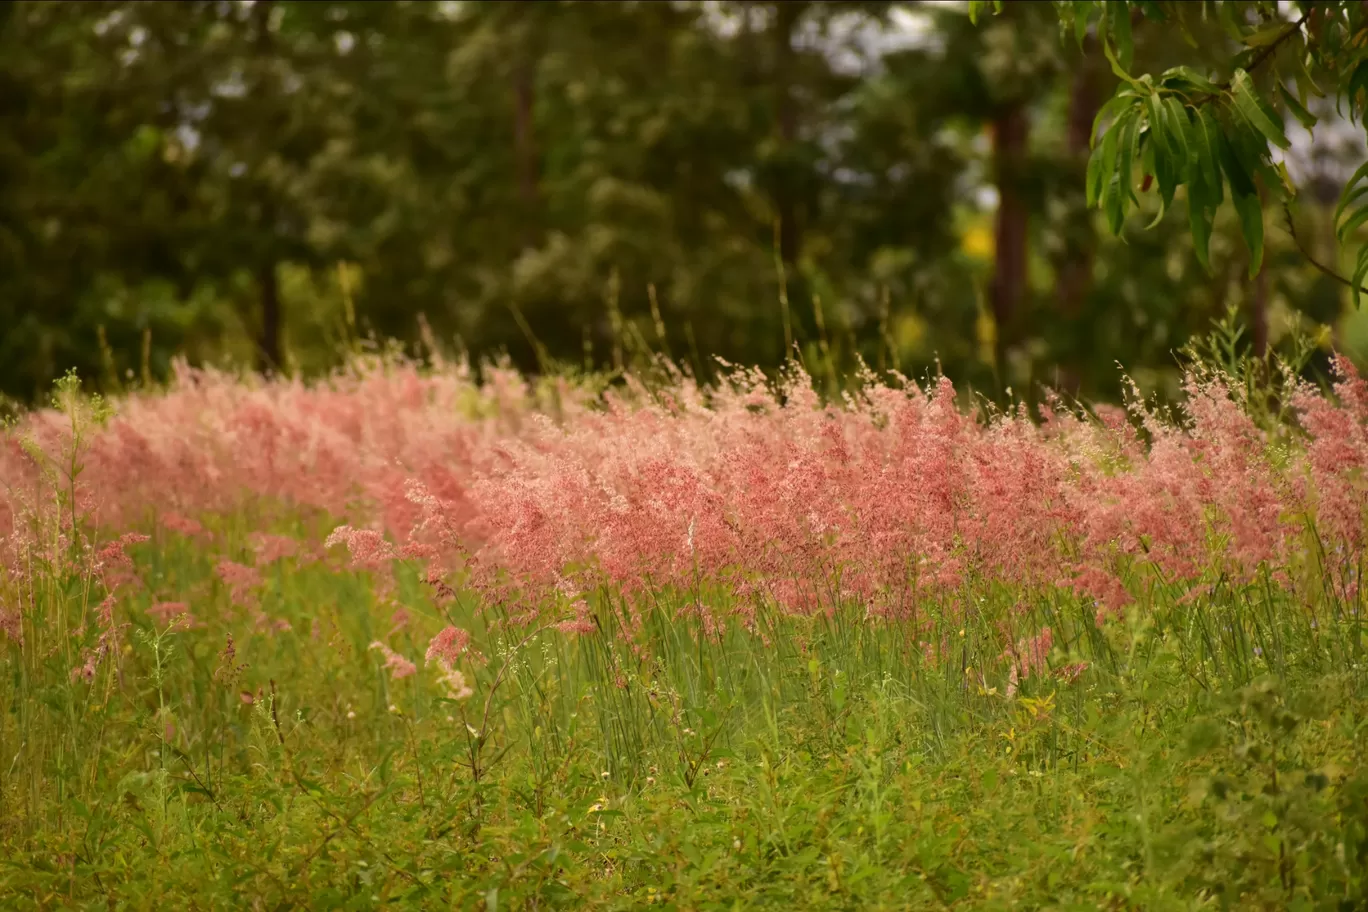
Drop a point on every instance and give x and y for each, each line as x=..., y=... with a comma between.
x=574, y=183
x=1208, y=131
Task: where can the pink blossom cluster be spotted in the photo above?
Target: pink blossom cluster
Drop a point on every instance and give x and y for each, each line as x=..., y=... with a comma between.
x=893, y=500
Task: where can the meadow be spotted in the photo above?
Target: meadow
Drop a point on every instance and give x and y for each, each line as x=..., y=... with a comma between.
x=421, y=636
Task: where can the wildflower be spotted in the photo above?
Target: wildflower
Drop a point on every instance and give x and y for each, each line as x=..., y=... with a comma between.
x=367, y=547
x=351, y=714
x=448, y=646
x=455, y=682
x=399, y=667
x=11, y=625
x=239, y=578
x=178, y=523
x=171, y=613
x=271, y=548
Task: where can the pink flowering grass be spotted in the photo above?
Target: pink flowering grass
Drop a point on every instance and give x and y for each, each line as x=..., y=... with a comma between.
x=422, y=610
x=895, y=500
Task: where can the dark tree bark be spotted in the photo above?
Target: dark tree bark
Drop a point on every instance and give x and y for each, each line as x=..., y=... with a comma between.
x=1074, y=270
x=1258, y=317
x=786, y=113
x=1011, y=130
x=525, y=148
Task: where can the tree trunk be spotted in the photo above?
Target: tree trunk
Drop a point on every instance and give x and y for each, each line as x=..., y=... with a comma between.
x=1008, y=290
x=268, y=344
x=786, y=115
x=525, y=149
x=1258, y=306
x=1074, y=271
x=1258, y=317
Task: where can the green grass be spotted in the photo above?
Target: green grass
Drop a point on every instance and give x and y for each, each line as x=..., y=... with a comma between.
x=1209, y=757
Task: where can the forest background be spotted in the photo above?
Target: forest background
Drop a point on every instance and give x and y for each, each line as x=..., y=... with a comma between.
x=574, y=185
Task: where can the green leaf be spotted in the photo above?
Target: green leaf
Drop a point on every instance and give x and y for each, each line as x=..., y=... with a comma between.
x=1118, y=190
x=1343, y=232
x=975, y=6
x=1271, y=35
x=1358, y=83
x=1304, y=80
x=1255, y=111
x=1125, y=151
x=1118, y=69
x=1183, y=76
x=1203, y=137
x=1226, y=13
x=1250, y=211
x=1112, y=109
x=1121, y=31
x=1307, y=119
x=1081, y=11
x=1176, y=122
x=1360, y=273
x=1200, y=216
x=1350, y=192
x=1101, y=164
x=1236, y=170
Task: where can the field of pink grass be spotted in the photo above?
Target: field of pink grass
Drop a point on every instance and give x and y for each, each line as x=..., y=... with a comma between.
x=590, y=588
x=892, y=500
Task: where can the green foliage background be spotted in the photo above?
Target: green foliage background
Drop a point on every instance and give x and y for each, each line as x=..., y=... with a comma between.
x=272, y=183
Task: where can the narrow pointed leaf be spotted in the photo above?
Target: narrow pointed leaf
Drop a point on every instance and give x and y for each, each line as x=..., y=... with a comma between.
x=1081, y=9
x=1270, y=35
x=1121, y=31
x=1184, y=77
x=1250, y=211
x=1307, y=119
x=1345, y=231
x=1253, y=110
x=1200, y=218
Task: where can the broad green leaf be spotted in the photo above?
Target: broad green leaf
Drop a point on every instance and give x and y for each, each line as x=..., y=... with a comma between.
x=1306, y=118
x=1253, y=110
x=1250, y=211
